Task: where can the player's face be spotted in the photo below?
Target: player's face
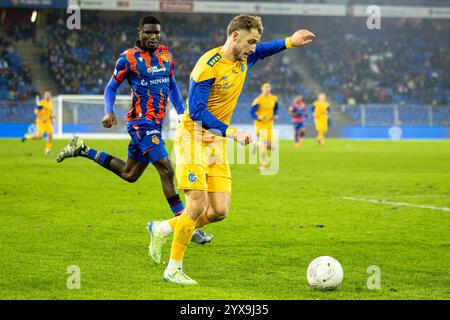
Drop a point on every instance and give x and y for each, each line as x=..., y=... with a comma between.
x=266, y=89
x=245, y=43
x=299, y=98
x=149, y=35
x=322, y=97
x=47, y=95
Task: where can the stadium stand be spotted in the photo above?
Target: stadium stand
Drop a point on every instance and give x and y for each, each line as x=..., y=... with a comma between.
x=399, y=64
x=355, y=66
x=15, y=77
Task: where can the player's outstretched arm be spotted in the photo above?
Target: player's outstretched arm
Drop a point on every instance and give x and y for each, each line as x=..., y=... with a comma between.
x=265, y=49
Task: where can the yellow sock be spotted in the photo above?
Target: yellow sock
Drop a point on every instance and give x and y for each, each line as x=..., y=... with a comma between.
x=182, y=235
x=201, y=221
x=29, y=136
x=172, y=222
x=48, y=146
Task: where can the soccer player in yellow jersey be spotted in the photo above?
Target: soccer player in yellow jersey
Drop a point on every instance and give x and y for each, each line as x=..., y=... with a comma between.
x=200, y=143
x=321, y=109
x=264, y=112
x=44, y=118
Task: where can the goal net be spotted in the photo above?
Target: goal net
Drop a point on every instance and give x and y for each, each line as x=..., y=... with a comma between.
x=82, y=115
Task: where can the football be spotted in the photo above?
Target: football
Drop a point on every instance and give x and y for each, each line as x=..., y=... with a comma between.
x=325, y=273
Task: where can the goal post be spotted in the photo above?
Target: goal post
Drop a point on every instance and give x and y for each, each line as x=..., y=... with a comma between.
x=82, y=115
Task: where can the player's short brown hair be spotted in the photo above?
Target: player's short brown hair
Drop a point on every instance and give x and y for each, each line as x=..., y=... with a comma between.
x=245, y=22
x=265, y=82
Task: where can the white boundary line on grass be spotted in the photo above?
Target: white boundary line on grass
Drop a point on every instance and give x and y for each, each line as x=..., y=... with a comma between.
x=405, y=204
x=425, y=196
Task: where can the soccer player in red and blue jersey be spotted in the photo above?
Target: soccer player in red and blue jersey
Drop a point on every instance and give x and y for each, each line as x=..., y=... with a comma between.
x=298, y=113
x=149, y=69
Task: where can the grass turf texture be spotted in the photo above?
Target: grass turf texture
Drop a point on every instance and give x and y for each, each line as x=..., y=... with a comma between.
x=77, y=213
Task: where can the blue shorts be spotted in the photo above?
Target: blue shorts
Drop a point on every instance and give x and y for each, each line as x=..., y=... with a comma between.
x=147, y=145
x=299, y=125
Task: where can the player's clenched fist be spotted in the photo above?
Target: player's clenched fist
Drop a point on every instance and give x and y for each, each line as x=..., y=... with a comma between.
x=301, y=37
x=241, y=137
x=109, y=120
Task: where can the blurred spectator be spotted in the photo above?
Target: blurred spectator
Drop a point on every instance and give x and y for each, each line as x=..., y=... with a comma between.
x=15, y=77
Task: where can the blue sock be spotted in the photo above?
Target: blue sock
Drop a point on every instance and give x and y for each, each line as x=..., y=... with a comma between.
x=102, y=158
x=176, y=205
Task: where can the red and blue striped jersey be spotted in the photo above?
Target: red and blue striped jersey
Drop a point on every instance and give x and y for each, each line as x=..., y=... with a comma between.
x=148, y=74
x=299, y=112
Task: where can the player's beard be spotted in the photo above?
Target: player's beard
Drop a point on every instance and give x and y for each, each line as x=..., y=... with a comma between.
x=237, y=52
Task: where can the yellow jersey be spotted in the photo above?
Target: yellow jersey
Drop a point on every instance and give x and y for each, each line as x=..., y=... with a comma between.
x=226, y=80
x=321, y=109
x=264, y=108
x=215, y=85
x=44, y=110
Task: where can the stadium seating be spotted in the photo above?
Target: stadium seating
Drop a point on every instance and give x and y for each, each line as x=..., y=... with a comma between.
x=15, y=77
x=353, y=65
x=81, y=61
x=358, y=65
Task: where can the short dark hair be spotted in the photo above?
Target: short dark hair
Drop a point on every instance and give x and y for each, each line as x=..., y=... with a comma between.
x=148, y=20
x=265, y=82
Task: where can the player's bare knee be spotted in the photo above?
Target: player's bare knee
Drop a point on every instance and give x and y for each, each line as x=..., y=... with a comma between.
x=129, y=177
x=218, y=213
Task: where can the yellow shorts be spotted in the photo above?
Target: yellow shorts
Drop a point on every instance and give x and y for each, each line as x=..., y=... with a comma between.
x=44, y=127
x=201, y=165
x=264, y=130
x=321, y=125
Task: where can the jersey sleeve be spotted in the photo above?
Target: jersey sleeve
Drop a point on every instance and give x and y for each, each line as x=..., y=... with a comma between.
x=266, y=49
x=253, y=112
x=202, y=79
x=172, y=68
x=121, y=69
x=175, y=95
x=40, y=105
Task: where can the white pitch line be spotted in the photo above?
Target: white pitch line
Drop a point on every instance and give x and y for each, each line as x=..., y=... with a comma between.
x=405, y=204
x=424, y=196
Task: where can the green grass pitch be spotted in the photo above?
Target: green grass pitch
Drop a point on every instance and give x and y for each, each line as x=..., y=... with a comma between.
x=76, y=213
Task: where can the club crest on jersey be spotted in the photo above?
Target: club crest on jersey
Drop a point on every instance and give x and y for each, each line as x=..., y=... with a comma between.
x=143, y=82
x=164, y=56
x=192, y=178
x=155, y=139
